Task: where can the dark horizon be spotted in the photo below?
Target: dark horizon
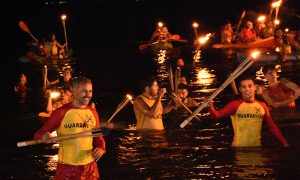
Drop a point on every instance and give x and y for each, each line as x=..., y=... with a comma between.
x=122, y=22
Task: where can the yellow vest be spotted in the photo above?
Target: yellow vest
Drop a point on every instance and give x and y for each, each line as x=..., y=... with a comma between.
x=147, y=122
x=76, y=151
x=247, y=124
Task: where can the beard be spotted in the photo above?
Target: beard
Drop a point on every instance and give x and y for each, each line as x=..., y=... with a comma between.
x=84, y=101
x=153, y=94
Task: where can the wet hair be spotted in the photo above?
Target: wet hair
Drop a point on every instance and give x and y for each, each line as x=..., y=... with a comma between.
x=245, y=77
x=67, y=88
x=80, y=80
x=268, y=67
x=275, y=30
x=148, y=82
x=67, y=69
x=183, y=86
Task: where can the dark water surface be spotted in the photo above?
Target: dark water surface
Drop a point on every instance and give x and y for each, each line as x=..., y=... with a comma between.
x=199, y=151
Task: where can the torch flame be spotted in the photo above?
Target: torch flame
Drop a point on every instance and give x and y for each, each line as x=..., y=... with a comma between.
x=160, y=24
x=286, y=30
x=129, y=97
x=203, y=39
x=255, y=54
x=54, y=94
x=195, y=25
x=276, y=4
x=63, y=17
x=261, y=18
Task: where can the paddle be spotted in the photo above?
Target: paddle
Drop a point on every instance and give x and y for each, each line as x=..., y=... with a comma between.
x=177, y=77
x=240, y=21
x=44, y=115
x=239, y=70
x=146, y=45
x=293, y=86
x=184, y=106
x=25, y=28
x=171, y=79
x=90, y=133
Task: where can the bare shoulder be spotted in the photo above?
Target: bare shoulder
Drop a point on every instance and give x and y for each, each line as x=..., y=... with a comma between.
x=138, y=100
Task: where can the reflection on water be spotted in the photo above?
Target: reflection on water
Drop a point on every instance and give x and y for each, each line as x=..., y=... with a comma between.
x=200, y=151
x=251, y=163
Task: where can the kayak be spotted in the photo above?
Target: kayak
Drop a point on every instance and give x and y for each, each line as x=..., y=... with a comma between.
x=270, y=58
x=26, y=59
x=263, y=43
x=32, y=57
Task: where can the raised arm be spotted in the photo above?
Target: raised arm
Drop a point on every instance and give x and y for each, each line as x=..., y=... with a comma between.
x=228, y=110
x=272, y=102
x=153, y=111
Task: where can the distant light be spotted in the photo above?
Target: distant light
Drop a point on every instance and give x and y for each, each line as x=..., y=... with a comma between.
x=286, y=30
x=160, y=24
x=195, y=25
x=277, y=49
x=63, y=17
x=276, y=21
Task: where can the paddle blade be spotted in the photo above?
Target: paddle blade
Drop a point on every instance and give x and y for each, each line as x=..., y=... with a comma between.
x=24, y=27
x=243, y=14
x=143, y=46
x=44, y=115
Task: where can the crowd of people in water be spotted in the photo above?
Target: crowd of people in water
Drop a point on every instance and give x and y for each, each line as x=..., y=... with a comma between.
x=76, y=113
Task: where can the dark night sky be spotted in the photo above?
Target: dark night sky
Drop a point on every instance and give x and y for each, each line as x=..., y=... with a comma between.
x=124, y=21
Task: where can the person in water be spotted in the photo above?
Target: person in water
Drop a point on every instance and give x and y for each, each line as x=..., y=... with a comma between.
x=186, y=71
x=76, y=157
x=181, y=97
x=247, y=116
x=66, y=98
x=147, y=107
x=21, y=87
x=65, y=81
x=277, y=95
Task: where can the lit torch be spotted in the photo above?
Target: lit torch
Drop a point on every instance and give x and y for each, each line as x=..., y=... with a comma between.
x=276, y=22
x=63, y=18
x=160, y=24
x=121, y=106
x=195, y=27
x=261, y=18
x=54, y=94
x=204, y=39
x=276, y=5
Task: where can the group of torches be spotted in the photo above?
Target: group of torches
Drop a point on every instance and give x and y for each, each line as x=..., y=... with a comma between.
x=200, y=41
x=128, y=98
